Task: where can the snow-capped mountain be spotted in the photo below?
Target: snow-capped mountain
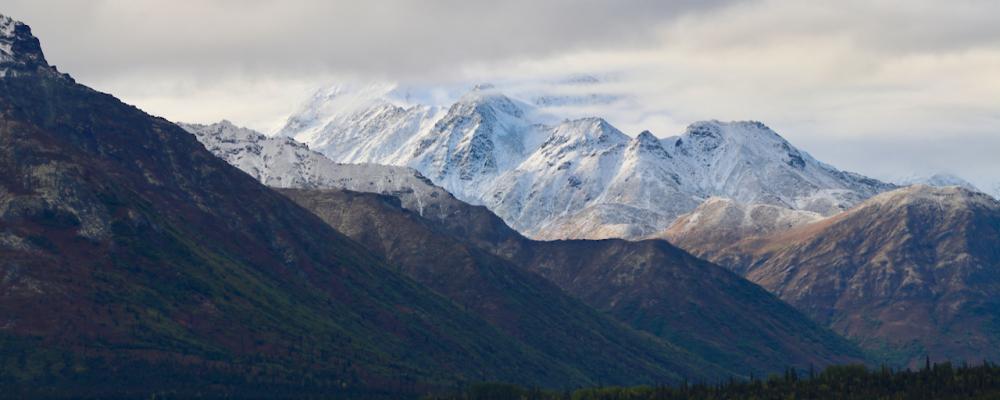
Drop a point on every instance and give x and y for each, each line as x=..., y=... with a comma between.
x=578, y=178
x=940, y=180
x=655, y=181
x=475, y=139
x=590, y=180
x=285, y=163
x=750, y=163
x=481, y=136
x=363, y=123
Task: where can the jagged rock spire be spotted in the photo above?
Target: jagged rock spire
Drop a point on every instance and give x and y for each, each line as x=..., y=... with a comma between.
x=20, y=51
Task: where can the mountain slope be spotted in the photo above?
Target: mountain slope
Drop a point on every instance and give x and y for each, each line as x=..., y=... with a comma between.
x=649, y=285
x=135, y=261
x=587, y=164
x=371, y=123
x=459, y=147
x=912, y=272
x=285, y=163
x=470, y=255
x=718, y=223
x=656, y=288
x=578, y=178
x=517, y=301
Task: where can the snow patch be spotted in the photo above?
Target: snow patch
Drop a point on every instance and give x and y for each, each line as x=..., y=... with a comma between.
x=7, y=26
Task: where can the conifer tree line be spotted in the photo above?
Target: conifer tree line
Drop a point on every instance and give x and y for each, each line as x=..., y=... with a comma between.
x=932, y=382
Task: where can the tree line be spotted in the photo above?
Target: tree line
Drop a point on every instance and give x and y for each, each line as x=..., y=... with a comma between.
x=932, y=382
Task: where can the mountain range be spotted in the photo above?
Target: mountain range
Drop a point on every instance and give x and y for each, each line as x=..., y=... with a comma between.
x=715, y=223
x=560, y=179
x=707, y=232
x=745, y=331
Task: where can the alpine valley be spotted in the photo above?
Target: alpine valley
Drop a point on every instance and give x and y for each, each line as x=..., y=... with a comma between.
x=394, y=242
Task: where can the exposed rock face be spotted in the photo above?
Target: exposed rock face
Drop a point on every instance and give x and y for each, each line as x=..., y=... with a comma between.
x=913, y=271
x=20, y=51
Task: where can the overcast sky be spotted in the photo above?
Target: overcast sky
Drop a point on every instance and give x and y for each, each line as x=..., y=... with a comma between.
x=885, y=88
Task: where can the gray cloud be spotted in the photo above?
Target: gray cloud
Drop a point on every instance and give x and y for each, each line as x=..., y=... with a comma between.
x=889, y=88
x=391, y=38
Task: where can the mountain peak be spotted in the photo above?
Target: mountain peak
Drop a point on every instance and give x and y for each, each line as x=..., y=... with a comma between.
x=646, y=136
x=733, y=129
x=486, y=99
x=647, y=140
x=946, y=196
x=711, y=129
x=648, y=143
x=708, y=136
x=20, y=51
x=940, y=179
x=587, y=129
